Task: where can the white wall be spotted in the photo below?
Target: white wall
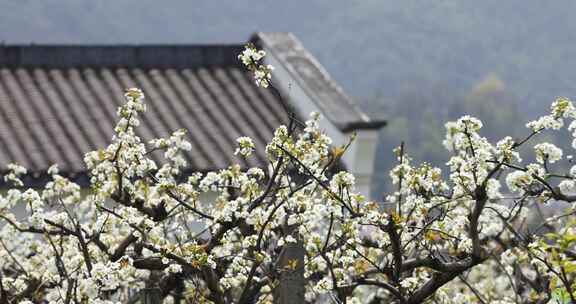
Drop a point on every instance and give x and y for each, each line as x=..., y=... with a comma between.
x=359, y=159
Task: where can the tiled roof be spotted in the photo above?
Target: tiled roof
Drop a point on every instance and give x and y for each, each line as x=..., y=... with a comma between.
x=53, y=111
x=58, y=102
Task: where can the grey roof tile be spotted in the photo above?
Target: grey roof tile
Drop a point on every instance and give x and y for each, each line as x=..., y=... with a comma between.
x=55, y=110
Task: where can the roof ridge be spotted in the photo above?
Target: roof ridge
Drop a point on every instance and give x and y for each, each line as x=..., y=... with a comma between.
x=126, y=55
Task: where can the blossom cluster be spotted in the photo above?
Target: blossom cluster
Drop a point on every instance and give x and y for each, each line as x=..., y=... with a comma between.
x=251, y=57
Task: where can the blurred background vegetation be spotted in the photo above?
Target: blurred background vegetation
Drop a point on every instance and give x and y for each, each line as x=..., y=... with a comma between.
x=417, y=62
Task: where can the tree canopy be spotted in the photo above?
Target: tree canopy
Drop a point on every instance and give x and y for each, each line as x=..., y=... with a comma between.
x=297, y=231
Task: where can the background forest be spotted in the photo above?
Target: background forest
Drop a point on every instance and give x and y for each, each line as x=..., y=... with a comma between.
x=418, y=63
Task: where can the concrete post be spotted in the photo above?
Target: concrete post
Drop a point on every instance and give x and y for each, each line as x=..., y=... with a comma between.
x=291, y=287
x=151, y=296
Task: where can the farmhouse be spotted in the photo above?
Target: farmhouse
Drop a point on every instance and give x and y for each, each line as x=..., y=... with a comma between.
x=58, y=102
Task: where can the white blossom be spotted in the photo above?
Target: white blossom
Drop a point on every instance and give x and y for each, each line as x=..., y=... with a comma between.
x=245, y=146
x=547, y=152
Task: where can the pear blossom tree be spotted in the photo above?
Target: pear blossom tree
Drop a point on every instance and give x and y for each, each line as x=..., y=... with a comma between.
x=295, y=232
